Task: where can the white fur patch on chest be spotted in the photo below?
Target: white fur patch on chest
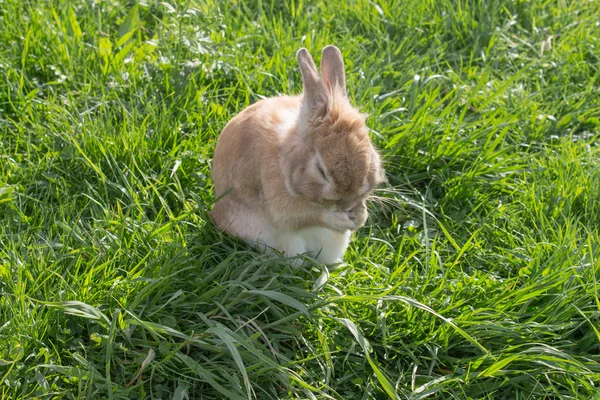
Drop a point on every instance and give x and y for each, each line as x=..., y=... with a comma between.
x=327, y=245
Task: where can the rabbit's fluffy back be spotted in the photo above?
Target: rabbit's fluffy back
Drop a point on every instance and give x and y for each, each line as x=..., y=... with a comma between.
x=249, y=145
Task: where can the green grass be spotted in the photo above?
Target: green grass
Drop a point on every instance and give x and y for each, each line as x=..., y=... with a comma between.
x=475, y=277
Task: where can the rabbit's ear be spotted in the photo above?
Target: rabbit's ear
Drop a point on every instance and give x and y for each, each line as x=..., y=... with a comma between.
x=332, y=68
x=314, y=90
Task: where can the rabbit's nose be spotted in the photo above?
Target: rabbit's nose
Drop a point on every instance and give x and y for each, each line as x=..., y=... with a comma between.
x=354, y=204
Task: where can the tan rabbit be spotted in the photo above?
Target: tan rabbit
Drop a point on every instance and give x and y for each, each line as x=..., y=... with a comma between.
x=294, y=172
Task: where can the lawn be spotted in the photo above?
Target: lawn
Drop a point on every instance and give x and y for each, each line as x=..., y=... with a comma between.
x=476, y=275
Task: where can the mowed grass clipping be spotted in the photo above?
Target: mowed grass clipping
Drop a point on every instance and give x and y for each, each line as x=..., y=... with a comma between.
x=475, y=277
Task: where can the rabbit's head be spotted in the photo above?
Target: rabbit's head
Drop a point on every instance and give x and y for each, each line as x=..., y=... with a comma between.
x=329, y=157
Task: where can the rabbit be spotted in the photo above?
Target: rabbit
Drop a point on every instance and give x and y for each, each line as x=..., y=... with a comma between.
x=292, y=173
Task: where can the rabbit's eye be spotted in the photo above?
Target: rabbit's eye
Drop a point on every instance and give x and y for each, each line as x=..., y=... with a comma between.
x=320, y=169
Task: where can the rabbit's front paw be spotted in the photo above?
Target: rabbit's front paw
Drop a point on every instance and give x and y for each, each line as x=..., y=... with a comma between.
x=358, y=215
x=338, y=220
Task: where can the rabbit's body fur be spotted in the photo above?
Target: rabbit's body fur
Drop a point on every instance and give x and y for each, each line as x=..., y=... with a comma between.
x=267, y=167
x=294, y=235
